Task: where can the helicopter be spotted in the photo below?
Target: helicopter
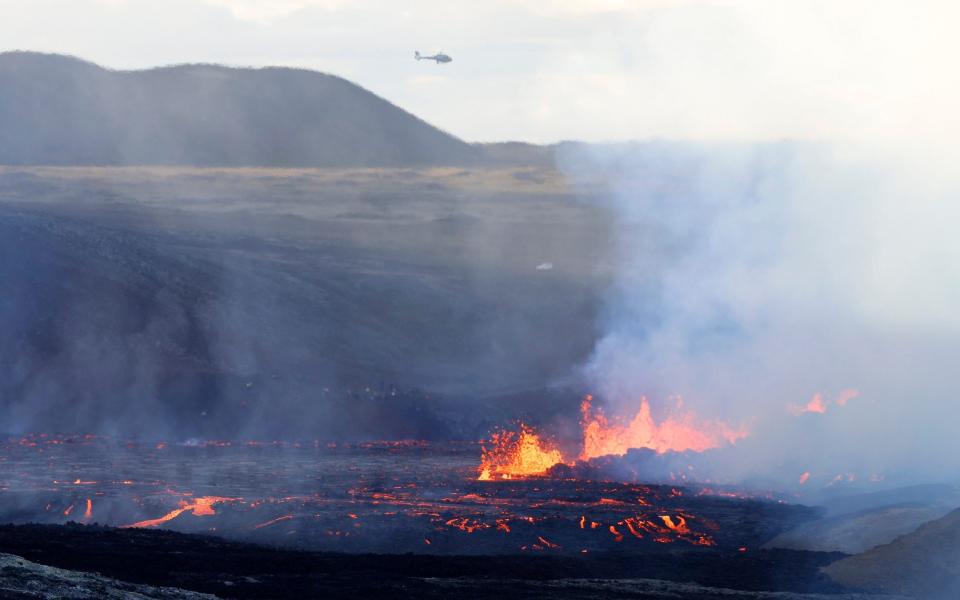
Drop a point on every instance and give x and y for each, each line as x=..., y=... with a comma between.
x=440, y=57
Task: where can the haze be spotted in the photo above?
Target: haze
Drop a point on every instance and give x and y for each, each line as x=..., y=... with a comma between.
x=543, y=71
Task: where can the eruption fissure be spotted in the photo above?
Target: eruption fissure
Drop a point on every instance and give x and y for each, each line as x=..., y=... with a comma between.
x=525, y=453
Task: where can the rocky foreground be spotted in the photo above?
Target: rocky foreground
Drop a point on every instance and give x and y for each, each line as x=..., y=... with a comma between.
x=20, y=578
x=99, y=562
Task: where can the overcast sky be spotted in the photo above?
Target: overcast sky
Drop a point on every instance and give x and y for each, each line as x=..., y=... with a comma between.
x=546, y=70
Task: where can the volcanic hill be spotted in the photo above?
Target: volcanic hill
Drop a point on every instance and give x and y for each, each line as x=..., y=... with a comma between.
x=925, y=563
x=59, y=110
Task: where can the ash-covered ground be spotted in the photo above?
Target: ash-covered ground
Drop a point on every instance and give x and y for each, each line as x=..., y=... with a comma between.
x=266, y=303
x=386, y=497
x=235, y=570
x=165, y=317
x=300, y=519
x=366, y=519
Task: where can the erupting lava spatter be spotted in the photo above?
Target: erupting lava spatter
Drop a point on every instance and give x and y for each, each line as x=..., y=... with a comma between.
x=511, y=454
x=524, y=453
x=818, y=404
x=320, y=505
x=679, y=432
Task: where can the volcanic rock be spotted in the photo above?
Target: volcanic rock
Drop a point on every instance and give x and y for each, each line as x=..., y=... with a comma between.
x=22, y=579
x=640, y=589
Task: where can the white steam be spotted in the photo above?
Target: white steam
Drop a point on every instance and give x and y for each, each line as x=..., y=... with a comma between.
x=756, y=272
x=753, y=277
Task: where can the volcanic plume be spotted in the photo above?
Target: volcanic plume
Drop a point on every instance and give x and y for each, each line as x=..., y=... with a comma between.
x=781, y=287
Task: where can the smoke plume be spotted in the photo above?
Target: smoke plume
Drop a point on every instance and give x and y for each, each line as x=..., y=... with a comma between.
x=804, y=291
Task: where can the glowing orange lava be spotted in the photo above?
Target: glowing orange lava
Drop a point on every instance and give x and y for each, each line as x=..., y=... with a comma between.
x=679, y=432
x=512, y=454
x=818, y=404
x=521, y=454
x=201, y=507
x=273, y=521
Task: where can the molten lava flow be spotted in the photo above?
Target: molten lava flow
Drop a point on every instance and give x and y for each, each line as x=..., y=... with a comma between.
x=678, y=526
x=273, y=521
x=679, y=432
x=520, y=454
x=547, y=543
x=201, y=507
x=511, y=454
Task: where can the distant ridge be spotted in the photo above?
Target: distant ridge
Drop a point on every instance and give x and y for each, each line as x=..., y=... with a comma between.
x=923, y=564
x=60, y=110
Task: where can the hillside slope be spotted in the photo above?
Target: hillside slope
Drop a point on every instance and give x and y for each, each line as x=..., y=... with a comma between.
x=58, y=110
x=925, y=563
x=217, y=303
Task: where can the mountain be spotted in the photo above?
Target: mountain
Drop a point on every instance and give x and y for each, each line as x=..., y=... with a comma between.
x=59, y=110
x=925, y=563
x=857, y=532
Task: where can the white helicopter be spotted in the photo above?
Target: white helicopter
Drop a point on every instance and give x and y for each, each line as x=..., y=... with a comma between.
x=440, y=57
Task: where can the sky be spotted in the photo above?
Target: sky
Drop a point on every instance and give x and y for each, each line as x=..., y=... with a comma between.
x=549, y=70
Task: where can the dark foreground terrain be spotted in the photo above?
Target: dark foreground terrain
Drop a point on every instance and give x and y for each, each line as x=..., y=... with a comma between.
x=237, y=570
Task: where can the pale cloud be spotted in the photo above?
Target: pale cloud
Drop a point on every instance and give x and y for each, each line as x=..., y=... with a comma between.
x=264, y=11
x=425, y=80
x=587, y=7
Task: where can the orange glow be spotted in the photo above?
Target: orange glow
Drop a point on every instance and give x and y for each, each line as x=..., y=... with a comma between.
x=201, y=507
x=548, y=543
x=819, y=405
x=523, y=453
x=517, y=454
x=617, y=536
x=805, y=477
x=468, y=525
x=678, y=432
x=846, y=396
x=87, y=514
x=816, y=405
x=273, y=521
x=678, y=526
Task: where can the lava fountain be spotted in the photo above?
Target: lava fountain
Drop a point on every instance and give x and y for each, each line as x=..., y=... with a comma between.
x=525, y=453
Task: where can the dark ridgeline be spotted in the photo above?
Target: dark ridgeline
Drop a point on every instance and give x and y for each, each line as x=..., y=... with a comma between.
x=58, y=110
